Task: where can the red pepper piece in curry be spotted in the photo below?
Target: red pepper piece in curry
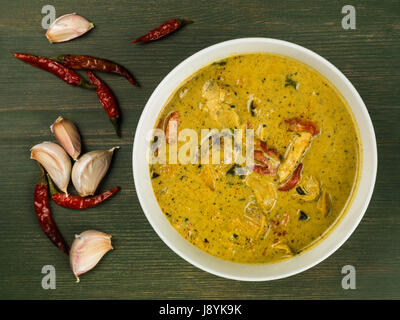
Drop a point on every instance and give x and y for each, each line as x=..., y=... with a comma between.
x=298, y=125
x=171, y=123
x=294, y=179
x=268, y=157
x=262, y=145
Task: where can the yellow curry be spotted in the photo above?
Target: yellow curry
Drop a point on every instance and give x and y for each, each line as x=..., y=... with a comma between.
x=306, y=159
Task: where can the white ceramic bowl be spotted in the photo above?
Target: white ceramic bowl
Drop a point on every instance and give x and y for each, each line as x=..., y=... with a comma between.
x=254, y=272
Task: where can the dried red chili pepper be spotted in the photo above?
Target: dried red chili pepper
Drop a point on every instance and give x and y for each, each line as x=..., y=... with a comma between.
x=43, y=214
x=62, y=72
x=75, y=61
x=262, y=170
x=107, y=100
x=294, y=179
x=260, y=144
x=171, y=123
x=162, y=30
x=76, y=202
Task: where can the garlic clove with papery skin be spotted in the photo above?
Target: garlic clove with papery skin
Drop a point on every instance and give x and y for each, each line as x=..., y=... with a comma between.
x=87, y=250
x=56, y=162
x=68, y=27
x=67, y=135
x=90, y=169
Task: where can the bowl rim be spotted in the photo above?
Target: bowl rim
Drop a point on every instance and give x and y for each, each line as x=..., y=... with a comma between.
x=373, y=158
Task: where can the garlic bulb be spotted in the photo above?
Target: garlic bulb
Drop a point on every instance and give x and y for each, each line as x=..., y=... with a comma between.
x=67, y=135
x=87, y=250
x=68, y=27
x=56, y=162
x=88, y=171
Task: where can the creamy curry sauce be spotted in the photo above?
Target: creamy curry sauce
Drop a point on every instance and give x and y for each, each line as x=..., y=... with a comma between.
x=299, y=119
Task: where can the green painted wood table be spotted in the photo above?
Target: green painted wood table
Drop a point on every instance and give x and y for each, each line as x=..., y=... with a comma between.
x=142, y=266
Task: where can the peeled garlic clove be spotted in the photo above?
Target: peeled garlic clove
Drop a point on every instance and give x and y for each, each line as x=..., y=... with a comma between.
x=87, y=250
x=67, y=135
x=56, y=162
x=68, y=27
x=90, y=168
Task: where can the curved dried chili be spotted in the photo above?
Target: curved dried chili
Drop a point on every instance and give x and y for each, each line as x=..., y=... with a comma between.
x=107, y=100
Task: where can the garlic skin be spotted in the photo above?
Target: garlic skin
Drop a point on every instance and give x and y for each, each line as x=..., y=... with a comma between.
x=68, y=27
x=67, y=135
x=87, y=250
x=56, y=162
x=90, y=169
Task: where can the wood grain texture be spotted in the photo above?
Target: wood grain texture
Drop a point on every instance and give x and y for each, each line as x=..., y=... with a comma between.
x=142, y=266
